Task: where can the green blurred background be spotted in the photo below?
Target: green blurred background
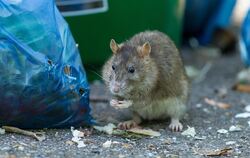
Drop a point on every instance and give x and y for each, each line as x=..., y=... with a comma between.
x=120, y=21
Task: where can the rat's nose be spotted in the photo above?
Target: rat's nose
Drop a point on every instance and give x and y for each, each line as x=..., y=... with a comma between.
x=116, y=87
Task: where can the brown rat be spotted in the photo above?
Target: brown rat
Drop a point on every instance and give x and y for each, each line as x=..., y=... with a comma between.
x=147, y=71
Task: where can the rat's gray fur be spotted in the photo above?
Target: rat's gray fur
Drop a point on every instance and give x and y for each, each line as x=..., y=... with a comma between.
x=159, y=87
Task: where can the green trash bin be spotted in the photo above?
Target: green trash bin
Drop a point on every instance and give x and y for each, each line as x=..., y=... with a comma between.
x=94, y=22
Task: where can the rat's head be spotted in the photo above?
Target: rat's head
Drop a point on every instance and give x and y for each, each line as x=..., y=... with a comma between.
x=130, y=66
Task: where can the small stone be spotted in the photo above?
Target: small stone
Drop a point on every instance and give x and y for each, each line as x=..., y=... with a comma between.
x=150, y=154
x=243, y=115
x=222, y=131
x=230, y=142
x=21, y=148
x=2, y=131
x=200, y=138
x=6, y=148
x=198, y=105
x=69, y=142
x=81, y=144
x=121, y=156
x=96, y=151
x=107, y=144
x=167, y=141
x=206, y=110
x=235, y=129
x=247, y=108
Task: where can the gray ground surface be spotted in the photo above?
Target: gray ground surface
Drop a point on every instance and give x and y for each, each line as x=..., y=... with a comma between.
x=205, y=118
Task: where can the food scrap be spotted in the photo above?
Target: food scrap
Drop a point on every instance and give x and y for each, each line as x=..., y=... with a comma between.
x=107, y=144
x=243, y=115
x=136, y=132
x=245, y=88
x=106, y=129
x=189, y=132
x=77, y=135
x=235, y=128
x=217, y=104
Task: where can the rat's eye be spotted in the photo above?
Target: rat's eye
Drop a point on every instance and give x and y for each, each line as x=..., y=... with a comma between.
x=131, y=69
x=113, y=67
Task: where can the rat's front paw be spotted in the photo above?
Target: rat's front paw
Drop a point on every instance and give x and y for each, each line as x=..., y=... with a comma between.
x=114, y=102
x=175, y=125
x=120, y=104
x=127, y=125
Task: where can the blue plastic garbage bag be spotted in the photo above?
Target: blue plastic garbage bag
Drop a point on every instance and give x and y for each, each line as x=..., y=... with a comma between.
x=42, y=80
x=245, y=40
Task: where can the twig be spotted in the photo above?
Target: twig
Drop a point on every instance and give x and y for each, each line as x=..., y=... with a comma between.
x=37, y=135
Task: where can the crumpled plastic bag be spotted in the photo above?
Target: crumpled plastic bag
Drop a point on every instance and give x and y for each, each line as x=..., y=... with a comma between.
x=245, y=40
x=42, y=80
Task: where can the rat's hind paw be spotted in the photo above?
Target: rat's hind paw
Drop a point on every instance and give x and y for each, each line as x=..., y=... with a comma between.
x=175, y=125
x=127, y=125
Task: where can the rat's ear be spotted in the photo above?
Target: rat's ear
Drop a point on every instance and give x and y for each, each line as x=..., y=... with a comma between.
x=114, y=46
x=144, y=50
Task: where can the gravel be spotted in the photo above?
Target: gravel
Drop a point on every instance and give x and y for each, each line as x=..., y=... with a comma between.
x=206, y=120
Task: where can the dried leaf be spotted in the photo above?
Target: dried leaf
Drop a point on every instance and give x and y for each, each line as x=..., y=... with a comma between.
x=189, y=132
x=243, y=115
x=220, y=152
x=107, y=129
x=126, y=145
x=127, y=134
x=147, y=132
x=217, y=104
x=245, y=88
